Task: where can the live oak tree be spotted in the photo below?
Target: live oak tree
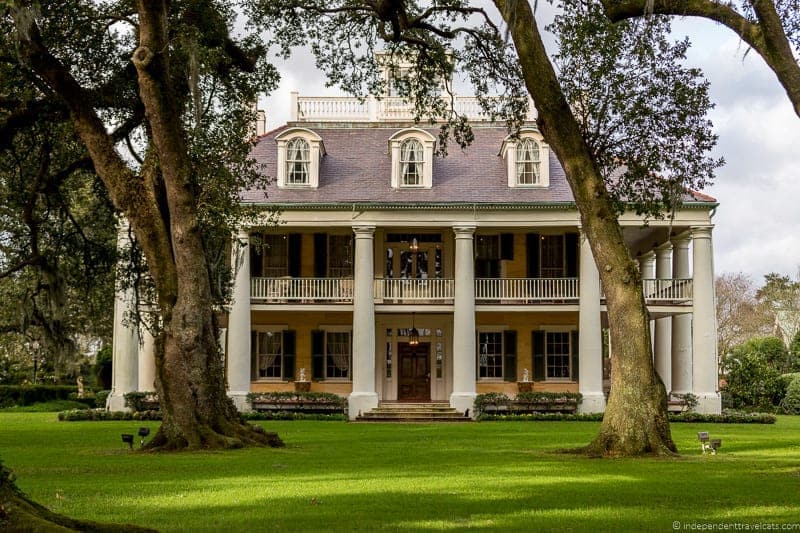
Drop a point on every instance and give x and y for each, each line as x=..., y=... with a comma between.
x=156, y=93
x=770, y=27
x=57, y=250
x=623, y=100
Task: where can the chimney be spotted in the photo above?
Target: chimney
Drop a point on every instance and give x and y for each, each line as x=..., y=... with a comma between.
x=261, y=122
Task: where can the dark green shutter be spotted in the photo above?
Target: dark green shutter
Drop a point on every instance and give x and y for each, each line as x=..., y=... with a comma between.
x=320, y=255
x=256, y=256
x=537, y=344
x=295, y=251
x=532, y=251
x=571, y=243
x=507, y=246
x=318, y=354
x=510, y=362
x=289, y=354
x=575, y=356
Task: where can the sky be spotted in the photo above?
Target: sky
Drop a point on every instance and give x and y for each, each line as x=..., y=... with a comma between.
x=757, y=224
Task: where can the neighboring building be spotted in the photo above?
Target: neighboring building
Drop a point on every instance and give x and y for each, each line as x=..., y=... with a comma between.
x=480, y=254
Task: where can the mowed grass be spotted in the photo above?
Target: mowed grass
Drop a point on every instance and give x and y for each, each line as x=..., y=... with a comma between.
x=334, y=476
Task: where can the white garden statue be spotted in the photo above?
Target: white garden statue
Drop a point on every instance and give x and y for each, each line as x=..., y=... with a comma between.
x=525, y=375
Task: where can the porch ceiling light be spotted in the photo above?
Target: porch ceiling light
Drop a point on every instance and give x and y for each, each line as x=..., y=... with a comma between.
x=414, y=244
x=413, y=335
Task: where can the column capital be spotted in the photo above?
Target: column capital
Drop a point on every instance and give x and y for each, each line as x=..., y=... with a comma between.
x=663, y=248
x=464, y=231
x=364, y=231
x=702, y=232
x=682, y=239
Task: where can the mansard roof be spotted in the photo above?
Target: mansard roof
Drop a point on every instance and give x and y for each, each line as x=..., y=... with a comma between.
x=356, y=168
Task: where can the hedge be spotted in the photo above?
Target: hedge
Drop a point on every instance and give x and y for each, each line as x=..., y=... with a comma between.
x=724, y=418
x=291, y=415
x=11, y=395
x=81, y=415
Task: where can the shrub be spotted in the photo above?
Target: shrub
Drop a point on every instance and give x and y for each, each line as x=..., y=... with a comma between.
x=549, y=398
x=290, y=415
x=752, y=380
x=791, y=402
x=29, y=394
x=141, y=401
x=724, y=418
x=309, y=398
x=494, y=399
x=82, y=415
x=102, y=367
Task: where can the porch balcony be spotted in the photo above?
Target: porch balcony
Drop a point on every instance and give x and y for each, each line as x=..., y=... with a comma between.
x=511, y=291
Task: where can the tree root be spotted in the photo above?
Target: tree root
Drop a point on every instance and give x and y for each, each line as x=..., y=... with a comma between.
x=225, y=435
x=20, y=513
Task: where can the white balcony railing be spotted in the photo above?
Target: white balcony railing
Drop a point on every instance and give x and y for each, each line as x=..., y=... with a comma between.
x=442, y=291
x=526, y=290
x=667, y=290
x=435, y=291
x=371, y=109
x=303, y=290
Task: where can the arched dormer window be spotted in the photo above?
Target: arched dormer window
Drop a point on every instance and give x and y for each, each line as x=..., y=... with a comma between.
x=528, y=162
x=412, y=158
x=299, y=152
x=527, y=159
x=412, y=163
x=298, y=161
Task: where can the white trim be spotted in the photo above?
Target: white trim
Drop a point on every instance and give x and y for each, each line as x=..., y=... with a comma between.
x=428, y=143
x=316, y=151
x=508, y=151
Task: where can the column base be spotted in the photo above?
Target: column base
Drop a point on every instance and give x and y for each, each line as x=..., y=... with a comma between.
x=240, y=401
x=708, y=403
x=361, y=402
x=592, y=403
x=116, y=402
x=462, y=401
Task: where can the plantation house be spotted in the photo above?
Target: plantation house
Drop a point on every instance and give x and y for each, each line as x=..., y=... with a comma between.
x=399, y=276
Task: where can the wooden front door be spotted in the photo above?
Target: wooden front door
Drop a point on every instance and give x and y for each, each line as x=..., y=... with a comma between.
x=415, y=372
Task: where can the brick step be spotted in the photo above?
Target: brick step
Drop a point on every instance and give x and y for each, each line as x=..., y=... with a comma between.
x=413, y=412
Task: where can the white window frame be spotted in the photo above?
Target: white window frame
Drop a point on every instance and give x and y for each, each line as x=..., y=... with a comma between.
x=337, y=329
x=508, y=151
x=491, y=329
x=560, y=329
x=428, y=143
x=294, y=147
x=268, y=328
x=316, y=149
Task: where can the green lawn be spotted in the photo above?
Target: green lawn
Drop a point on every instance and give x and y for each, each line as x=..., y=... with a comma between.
x=334, y=476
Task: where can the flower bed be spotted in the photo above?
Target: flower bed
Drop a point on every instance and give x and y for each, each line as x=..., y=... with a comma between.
x=303, y=402
x=527, y=402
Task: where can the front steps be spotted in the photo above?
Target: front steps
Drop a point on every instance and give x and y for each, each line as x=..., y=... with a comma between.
x=413, y=412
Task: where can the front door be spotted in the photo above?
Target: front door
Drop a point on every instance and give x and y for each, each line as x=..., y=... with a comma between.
x=415, y=372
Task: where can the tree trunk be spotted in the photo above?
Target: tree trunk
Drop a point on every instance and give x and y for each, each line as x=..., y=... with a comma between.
x=189, y=368
x=635, y=420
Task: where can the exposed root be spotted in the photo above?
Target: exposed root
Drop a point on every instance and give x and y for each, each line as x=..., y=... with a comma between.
x=20, y=513
x=225, y=435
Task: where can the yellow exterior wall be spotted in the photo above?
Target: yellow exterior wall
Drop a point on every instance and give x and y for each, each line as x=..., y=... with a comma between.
x=303, y=323
x=524, y=324
x=517, y=267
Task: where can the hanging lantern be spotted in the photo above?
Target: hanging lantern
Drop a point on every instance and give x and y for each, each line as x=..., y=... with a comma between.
x=413, y=335
x=414, y=245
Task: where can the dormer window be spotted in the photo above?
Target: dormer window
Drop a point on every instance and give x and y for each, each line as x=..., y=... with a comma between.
x=412, y=159
x=527, y=160
x=298, y=161
x=412, y=162
x=299, y=153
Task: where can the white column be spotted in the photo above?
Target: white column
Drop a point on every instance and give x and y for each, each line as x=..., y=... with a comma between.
x=239, y=359
x=647, y=266
x=681, y=324
x=463, y=396
x=663, y=331
x=147, y=361
x=705, y=377
x=590, y=335
x=364, y=397
x=125, y=344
